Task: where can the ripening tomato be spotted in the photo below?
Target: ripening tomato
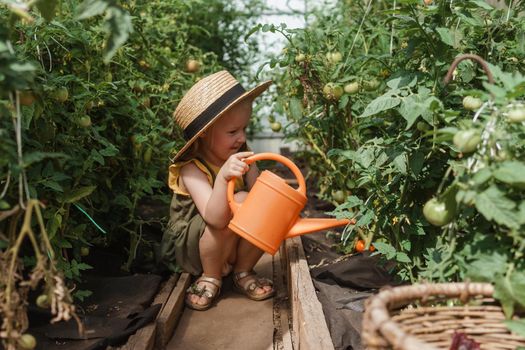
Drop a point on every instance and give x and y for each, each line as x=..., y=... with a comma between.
x=332, y=91
x=467, y=141
x=26, y=98
x=516, y=115
x=300, y=57
x=192, y=66
x=360, y=246
x=352, y=88
x=472, y=103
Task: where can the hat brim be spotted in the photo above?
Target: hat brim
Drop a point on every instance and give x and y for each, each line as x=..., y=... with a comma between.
x=253, y=93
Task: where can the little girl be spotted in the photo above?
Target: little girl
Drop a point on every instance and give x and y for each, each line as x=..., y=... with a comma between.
x=214, y=115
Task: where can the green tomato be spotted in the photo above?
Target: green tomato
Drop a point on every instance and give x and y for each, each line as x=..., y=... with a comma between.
x=147, y=155
x=438, y=213
x=300, y=57
x=422, y=126
x=466, y=141
x=339, y=196
x=352, y=88
x=84, y=251
x=371, y=85
x=332, y=91
x=85, y=121
x=336, y=57
x=27, y=342
x=276, y=126
x=472, y=103
x=61, y=94
x=516, y=115
x=42, y=301
x=4, y=205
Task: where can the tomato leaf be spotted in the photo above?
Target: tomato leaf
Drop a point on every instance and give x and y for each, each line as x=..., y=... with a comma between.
x=79, y=193
x=386, y=249
x=119, y=27
x=402, y=257
x=494, y=205
x=510, y=290
x=487, y=266
x=380, y=104
x=47, y=8
x=512, y=173
x=90, y=8
x=516, y=326
x=296, y=108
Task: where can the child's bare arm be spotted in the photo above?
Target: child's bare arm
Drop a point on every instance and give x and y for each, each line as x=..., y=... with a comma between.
x=212, y=202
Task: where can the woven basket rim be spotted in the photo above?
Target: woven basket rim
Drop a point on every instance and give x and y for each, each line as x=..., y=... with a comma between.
x=379, y=322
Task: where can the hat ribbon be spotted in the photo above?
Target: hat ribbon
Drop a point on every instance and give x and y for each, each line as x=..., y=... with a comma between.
x=214, y=109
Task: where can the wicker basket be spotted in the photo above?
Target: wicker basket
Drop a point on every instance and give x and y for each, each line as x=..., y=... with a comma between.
x=401, y=318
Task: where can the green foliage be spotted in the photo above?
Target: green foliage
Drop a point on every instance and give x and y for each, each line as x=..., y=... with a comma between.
x=91, y=86
x=391, y=142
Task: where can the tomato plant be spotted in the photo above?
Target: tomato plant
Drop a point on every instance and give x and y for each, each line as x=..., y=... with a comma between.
x=406, y=142
x=68, y=103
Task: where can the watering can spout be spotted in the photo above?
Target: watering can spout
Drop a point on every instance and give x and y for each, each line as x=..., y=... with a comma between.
x=303, y=226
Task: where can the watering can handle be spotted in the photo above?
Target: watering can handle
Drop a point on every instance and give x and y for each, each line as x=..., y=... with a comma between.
x=267, y=156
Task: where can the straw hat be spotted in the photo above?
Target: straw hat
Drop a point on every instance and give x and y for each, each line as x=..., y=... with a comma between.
x=207, y=101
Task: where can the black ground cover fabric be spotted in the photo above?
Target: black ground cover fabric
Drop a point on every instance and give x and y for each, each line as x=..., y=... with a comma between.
x=118, y=307
x=343, y=283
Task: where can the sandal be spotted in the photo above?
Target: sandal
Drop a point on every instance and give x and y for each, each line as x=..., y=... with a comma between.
x=211, y=293
x=250, y=283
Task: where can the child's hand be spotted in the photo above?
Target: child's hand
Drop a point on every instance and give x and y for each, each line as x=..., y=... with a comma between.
x=235, y=166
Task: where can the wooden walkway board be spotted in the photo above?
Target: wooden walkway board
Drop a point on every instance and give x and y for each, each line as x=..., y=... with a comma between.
x=293, y=320
x=309, y=328
x=170, y=314
x=144, y=339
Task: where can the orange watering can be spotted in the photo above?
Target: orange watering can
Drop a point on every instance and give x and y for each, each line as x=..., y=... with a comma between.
x=270, y=212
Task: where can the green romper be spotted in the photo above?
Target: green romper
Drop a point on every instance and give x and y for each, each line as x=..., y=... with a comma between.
x=180, y=241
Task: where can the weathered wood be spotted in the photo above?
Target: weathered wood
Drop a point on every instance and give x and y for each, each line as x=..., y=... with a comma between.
x=310, y=330
x=170, y=314
x=282, y=336
x=144, y=338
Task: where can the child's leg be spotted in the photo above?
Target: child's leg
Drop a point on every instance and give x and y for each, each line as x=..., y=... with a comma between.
x=215, y=247
x=247, y=257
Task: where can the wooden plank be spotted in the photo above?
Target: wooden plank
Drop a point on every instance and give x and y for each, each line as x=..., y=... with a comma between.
x=144, y=338
x=281, y=309
x=309, y=325
x=293, y=296
x=170, y=314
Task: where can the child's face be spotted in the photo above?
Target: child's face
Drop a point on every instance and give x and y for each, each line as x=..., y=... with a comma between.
x=228, y=134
